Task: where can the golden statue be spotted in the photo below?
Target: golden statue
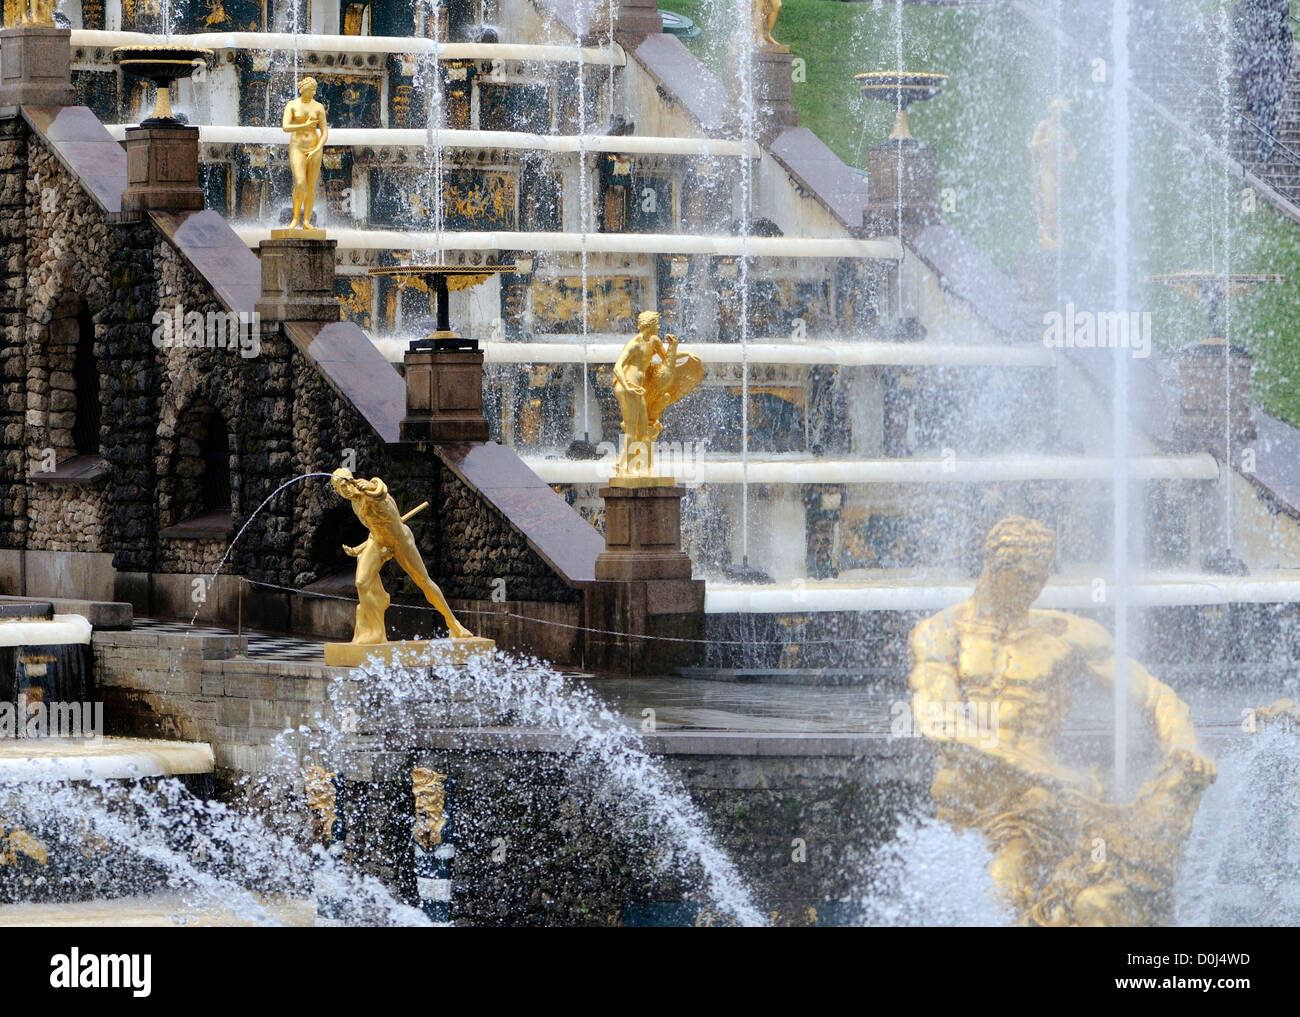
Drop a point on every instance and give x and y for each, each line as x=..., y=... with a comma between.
x=765, y=14
x=321, y=788
x=29, y=12
x=1049, y=149
x=15, y=841
x=1062, y=854
x=645, y=387
x=304, y=119
x=390, y=537
x=430, y=792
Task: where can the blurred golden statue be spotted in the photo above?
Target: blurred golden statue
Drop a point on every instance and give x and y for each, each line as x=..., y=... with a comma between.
x=1049, y=149
x=765, y=14
x=304, y=119
x=645, y=387
x=390, y=537
x=29, y=12
x=1062, y=854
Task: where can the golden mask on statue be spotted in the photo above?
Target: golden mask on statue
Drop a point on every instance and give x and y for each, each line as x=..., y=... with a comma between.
x=1064, y=853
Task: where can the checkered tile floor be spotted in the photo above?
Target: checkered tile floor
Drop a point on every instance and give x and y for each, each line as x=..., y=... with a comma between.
x=261, y=645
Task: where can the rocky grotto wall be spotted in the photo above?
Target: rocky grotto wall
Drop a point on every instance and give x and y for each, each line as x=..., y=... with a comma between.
x=195, y=428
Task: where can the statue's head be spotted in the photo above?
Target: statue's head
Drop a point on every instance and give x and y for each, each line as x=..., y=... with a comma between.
x=343, y=482
x=647, y=321
x=307, y=88
x=1018, y=556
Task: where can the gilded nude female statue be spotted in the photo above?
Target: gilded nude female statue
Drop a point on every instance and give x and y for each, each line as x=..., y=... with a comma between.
x=304, y=120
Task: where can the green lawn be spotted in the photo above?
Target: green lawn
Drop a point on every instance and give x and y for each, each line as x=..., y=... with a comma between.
x=1185, y=214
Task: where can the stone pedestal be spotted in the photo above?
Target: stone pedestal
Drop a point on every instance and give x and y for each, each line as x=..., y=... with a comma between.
x=409, y=652
x=638, y=18
x=643, y=534
x=162, y=170
x=645, y=610
x=298, y=280
x=901, y=178
x=35, y=66
x=444, y=394
x=774, y=91
x=1202, y=403
x=772, y=81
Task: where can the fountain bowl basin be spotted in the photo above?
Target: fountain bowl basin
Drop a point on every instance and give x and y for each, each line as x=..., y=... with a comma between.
x=162, y=64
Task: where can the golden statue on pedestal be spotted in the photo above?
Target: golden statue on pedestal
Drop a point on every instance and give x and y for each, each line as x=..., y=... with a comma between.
x=1049, y=149
x=765, y=14
x=1062, y=854
x=390, y=537
x=29, y=12
x=304, y=120
x=645, y=387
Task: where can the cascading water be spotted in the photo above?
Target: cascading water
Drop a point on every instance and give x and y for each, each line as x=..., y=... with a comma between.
x=636, y=789
x=583, y=16
x=136, y=838
x=428, y=78
x=112, y=838
x=1240, y=862
x=745, y=41
x=1120, y=407
x=247, y=523
x=930, y=875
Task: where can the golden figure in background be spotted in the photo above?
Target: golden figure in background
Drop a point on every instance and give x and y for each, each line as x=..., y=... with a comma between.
x=429, y=788
x=765, y=14
x=1062, y=854
x=645, y=387
x=1049, y=149
x=29, y=12
x=321, y=790
x=390, y=537
x=304, y=120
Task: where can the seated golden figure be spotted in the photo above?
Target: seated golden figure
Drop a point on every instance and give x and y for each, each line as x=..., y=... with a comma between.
x=1063, y=855
x=304, y=120
x=648, y=378
x=390, y=537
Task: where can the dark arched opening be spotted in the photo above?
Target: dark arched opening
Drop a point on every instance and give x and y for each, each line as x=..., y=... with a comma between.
x=85, y=378
x=214, y=451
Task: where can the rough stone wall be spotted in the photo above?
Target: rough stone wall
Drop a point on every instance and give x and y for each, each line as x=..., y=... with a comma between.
x=67, y=517
x=466, y=545
x=480, y=547
x=13, y=360
x=64, y=263
x=67, y=275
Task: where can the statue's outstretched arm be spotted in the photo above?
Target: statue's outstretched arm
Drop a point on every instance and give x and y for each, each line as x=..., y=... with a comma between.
x=1166, y=714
